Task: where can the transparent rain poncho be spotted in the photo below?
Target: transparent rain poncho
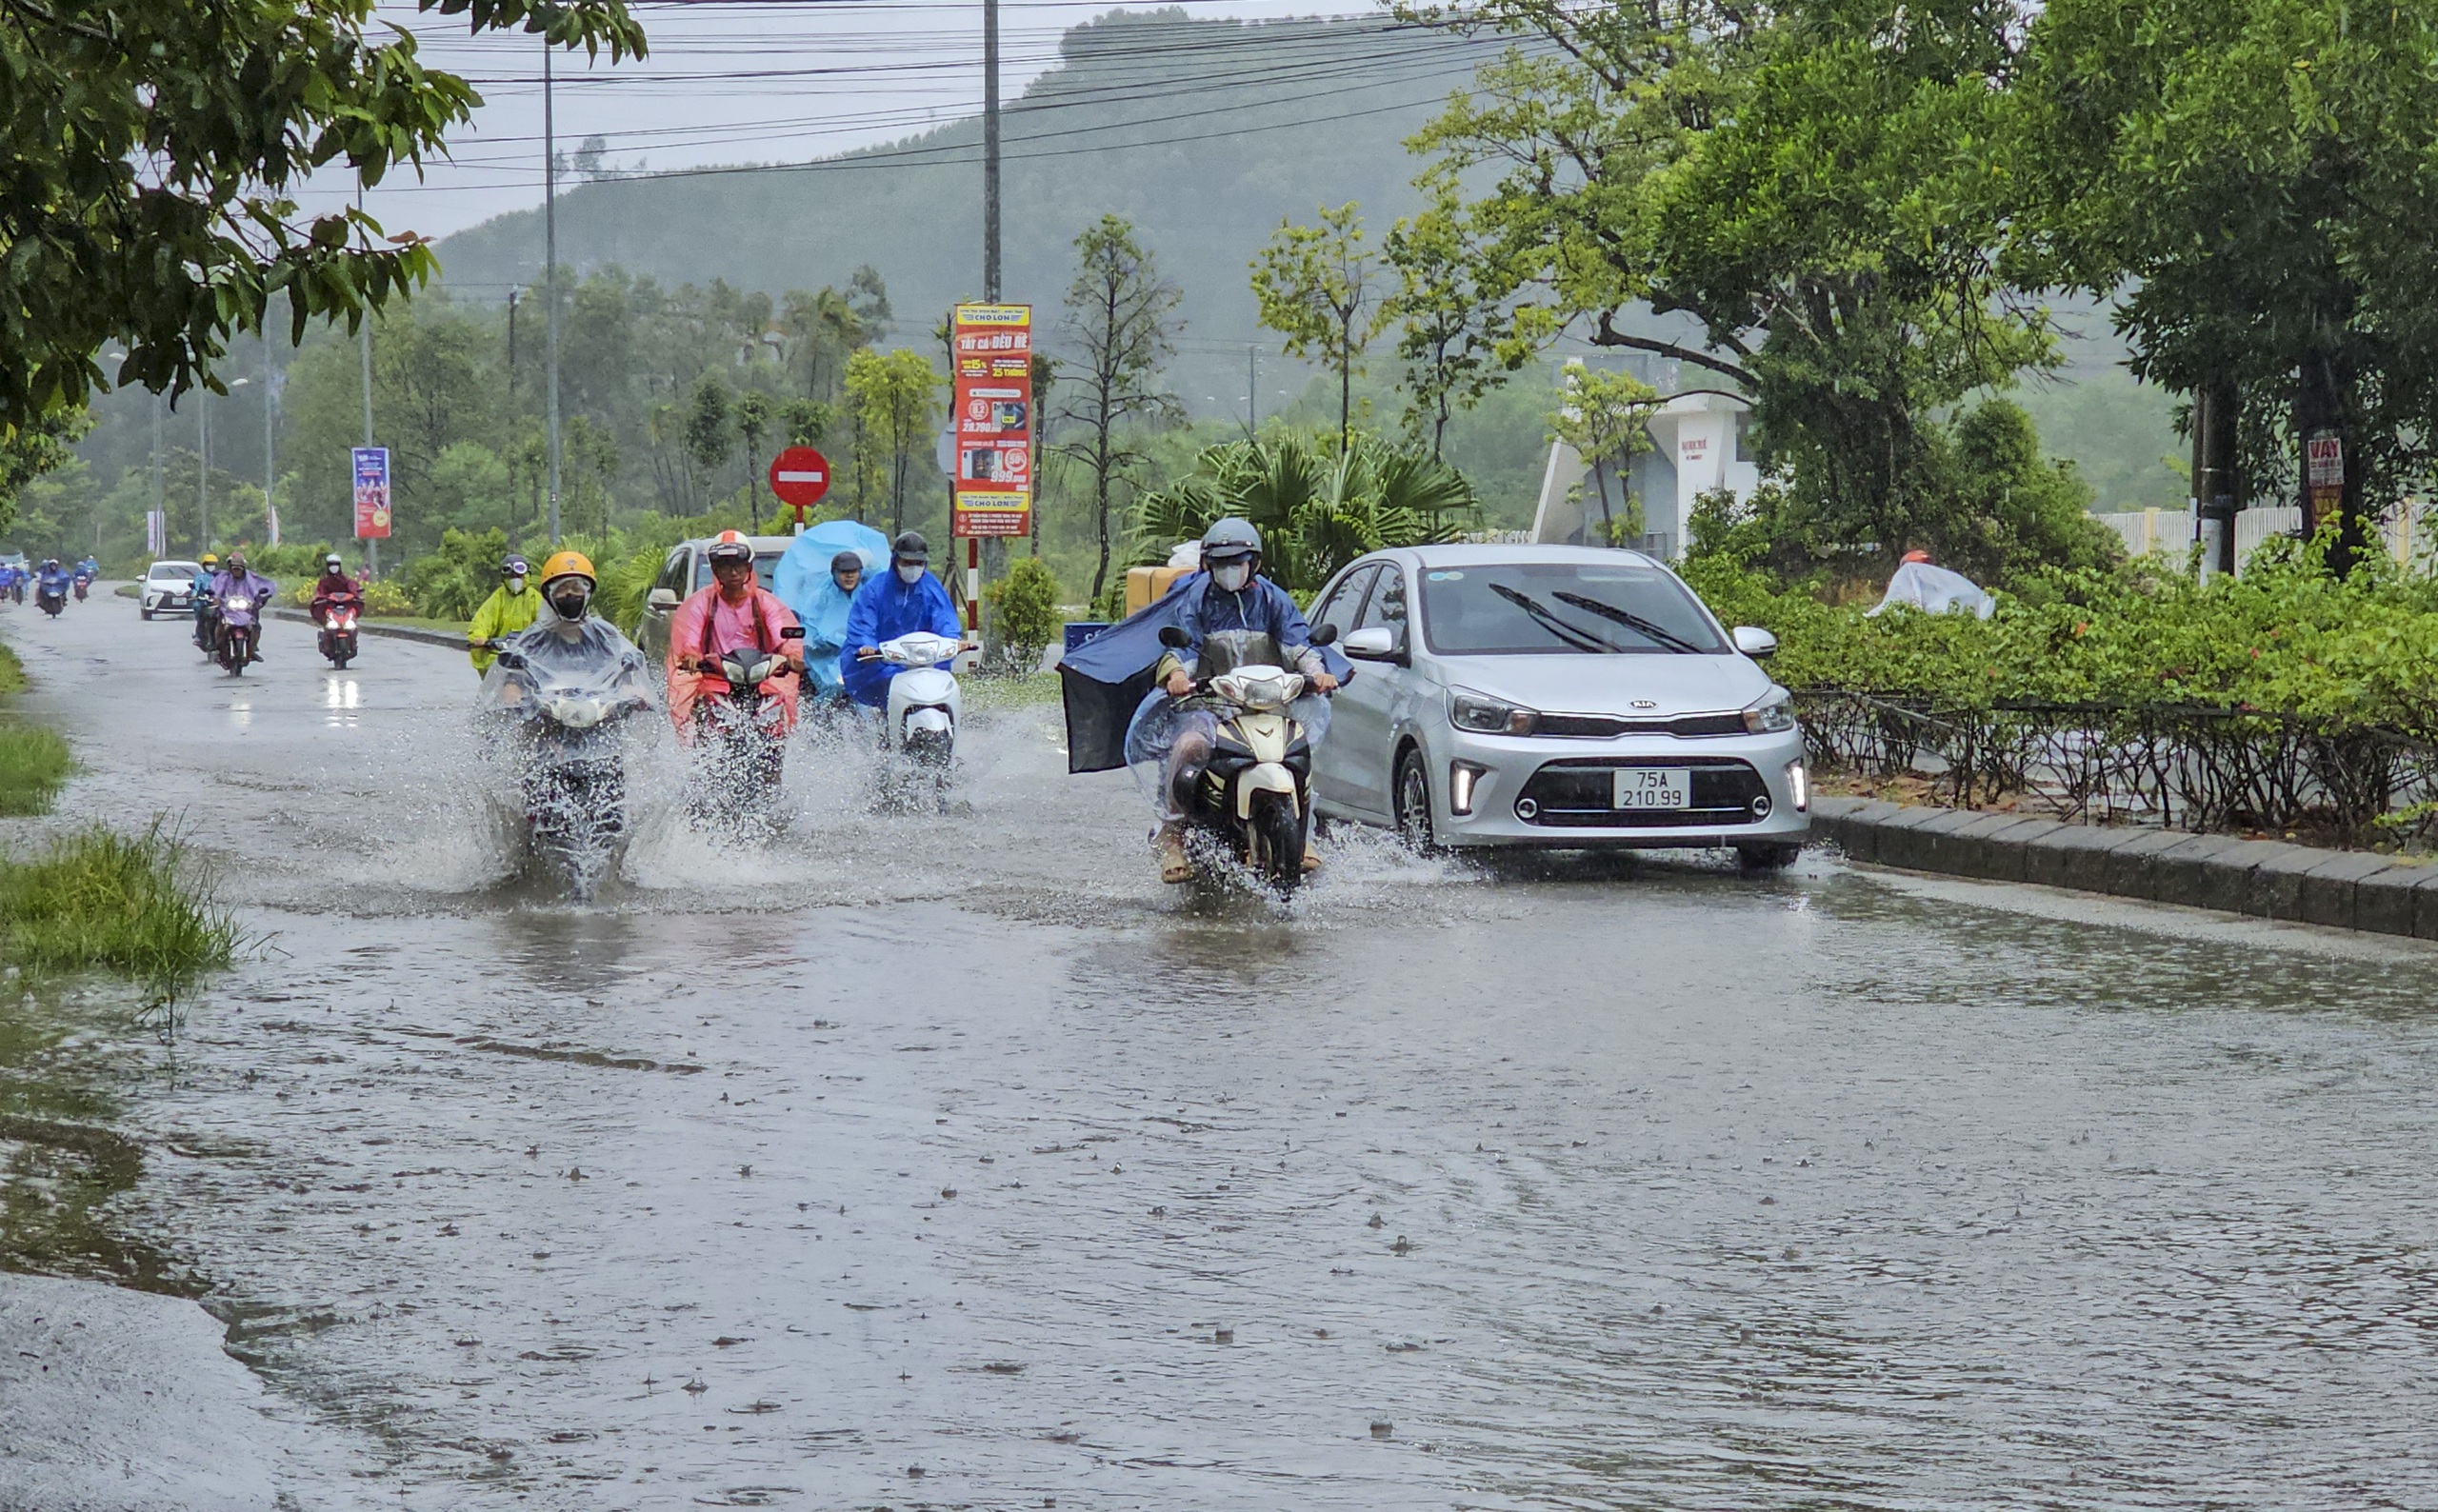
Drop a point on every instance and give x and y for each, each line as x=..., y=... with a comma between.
x=575, y=684
x=1160, y=720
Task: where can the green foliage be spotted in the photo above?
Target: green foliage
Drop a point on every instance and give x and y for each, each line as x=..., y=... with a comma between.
x=1448, y=321
x=451, y=583
x=99, y=899
x=150, y=147
x=1314, y=285
x=34, y=762
x=1994, y=509
x=37, y=447
x=2285, y=637
x=1317, y=508
x=896, y=402
x=1024, y=609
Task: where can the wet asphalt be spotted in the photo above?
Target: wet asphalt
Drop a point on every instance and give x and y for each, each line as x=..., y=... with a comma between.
x=951, y=1160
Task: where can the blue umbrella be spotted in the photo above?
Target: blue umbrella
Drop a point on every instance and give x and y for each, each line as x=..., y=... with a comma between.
x=803, y=584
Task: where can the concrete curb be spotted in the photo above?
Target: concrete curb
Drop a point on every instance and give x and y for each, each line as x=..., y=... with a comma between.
x=395, y=632
x=2268, y=879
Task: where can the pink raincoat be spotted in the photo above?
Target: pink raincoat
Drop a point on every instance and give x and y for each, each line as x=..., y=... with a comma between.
x=690, y=639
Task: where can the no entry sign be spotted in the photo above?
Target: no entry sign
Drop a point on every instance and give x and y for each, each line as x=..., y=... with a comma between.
x=800, y=476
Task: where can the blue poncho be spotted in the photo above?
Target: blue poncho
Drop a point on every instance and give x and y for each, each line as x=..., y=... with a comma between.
x=803, y=582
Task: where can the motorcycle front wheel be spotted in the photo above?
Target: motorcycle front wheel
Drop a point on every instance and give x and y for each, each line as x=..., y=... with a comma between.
x=1276, y=841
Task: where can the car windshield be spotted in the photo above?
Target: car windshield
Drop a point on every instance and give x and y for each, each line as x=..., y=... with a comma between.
x=1600, y=608
x=764, y=563
x=174, y=571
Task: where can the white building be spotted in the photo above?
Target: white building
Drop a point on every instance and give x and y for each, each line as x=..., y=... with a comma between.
x=1699, y=443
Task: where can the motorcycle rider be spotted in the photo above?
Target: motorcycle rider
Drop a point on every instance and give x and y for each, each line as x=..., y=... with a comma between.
x=54, y=579
x=825, y=624
x=199, y=593
x=567, y=626
x=908, y=599
x=1228, y=593
x=512, y=607
x=734, y=611
x=236, y=578
x=333, y=582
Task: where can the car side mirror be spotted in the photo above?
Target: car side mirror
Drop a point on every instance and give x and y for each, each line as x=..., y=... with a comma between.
x=1174, y=637
x=1324, y=635
x=662, y=598
x=1755, y=643
x=794, y=632
x=1378, y=644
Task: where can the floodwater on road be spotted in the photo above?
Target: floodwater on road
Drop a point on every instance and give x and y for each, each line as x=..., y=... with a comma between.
x=951, y=1161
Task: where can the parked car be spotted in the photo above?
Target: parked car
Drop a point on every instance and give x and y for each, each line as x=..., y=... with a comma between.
x=687, y=569
x=167, y=588
x=1554, y=696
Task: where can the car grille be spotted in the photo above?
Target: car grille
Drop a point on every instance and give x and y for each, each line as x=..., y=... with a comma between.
x=1575, y=794
x=1608, y=727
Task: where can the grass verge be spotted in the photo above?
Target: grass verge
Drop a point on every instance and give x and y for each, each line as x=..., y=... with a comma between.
x=33, y=763
x=98, y=899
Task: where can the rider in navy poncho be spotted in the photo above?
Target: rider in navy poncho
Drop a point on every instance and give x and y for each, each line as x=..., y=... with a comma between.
x=889, y=605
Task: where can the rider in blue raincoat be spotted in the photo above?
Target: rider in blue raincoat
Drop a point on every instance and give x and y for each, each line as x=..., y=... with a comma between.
x=905, y=599
x=53, y=578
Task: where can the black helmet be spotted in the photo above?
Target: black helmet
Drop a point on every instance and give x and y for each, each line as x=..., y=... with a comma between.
x=514, y=566
x=846, y=562
x=1230, y=540
x=910, y=548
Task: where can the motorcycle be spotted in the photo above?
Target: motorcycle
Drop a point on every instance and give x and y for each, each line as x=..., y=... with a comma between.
x=1250, y=799
x=81, y=585
x=238, y=634
x=924, y=709
x=742, y=732
x=207, y=623
x=50, y=599
x=339, y=637
x=567, y=701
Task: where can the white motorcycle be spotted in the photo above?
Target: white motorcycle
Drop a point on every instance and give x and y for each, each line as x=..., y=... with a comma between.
x=924, y=709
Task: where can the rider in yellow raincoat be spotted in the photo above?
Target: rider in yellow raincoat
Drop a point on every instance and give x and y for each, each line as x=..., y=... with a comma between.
x=512, y=607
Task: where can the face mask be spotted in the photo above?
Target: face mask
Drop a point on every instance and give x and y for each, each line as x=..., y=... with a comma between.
x=516, y=584
x=909, y=573
x=572, y=605
x=1234, y=576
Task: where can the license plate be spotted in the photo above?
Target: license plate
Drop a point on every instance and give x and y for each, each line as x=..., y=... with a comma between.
x=1653, y=787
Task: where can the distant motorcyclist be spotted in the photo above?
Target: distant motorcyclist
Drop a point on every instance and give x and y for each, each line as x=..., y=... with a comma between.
x=236, y=579
x=903, y=600
x=87, y=568
x=53, y=578
x=734, y=612
x=334, y=581
x=513, y=605
x=1228, y=593
x=199, y=593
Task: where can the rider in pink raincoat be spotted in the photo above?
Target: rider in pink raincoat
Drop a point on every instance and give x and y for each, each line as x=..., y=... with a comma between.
x=734, y=611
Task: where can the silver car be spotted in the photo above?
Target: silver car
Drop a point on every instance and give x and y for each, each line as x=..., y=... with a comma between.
x=167, y=588
x=1554, y=696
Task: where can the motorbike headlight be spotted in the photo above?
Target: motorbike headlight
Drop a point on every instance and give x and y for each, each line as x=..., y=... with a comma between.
x=1258, y=694
x=239, y=604
x=1484, y=715
x=578, y=713
x=1772, y=714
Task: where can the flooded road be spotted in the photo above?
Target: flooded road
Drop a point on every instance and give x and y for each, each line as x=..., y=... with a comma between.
x=952, y=1161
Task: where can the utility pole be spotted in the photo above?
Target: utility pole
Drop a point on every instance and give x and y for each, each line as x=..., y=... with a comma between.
x=271, y=460
x=511, y=341
x=2215, y=414
x=1252, y=389
x=995, y=558
x=550, y=279
x=203, y=467
x=372, y=544
x=158, y=507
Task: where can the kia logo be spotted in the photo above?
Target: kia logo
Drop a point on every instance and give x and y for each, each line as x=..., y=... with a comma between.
x=1646, y=703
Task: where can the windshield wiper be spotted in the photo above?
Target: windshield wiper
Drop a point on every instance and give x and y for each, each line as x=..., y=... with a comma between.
x=1630, y=621
x=1582, y=640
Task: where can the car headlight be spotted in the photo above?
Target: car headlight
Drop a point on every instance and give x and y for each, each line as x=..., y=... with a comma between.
x=1772, y=715
x=1484, y=715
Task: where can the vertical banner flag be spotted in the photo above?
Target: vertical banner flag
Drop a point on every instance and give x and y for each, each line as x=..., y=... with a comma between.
x=372, y=493
x=156, y=532
x=2324, y=452
x=993, y=420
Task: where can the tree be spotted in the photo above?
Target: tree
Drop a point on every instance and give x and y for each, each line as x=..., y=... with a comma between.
x=1316, y=510
x=1812, y=188
x=1023, y=611
x=1314, y=286
x=35, y=449
x=1603, y=417
x=896, y=403
x=2250, y=179
x=710, y=427
x=754, y=418
x=147, y=152
x=1449, y=324
x=1121, y=315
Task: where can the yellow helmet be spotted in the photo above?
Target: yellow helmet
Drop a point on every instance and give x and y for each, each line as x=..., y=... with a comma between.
x=568, y=564
x=210, y=560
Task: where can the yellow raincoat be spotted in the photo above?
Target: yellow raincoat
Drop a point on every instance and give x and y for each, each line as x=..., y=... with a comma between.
x=503, y=614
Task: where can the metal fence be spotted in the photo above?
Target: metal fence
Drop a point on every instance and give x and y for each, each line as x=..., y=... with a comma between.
x=2186, y=766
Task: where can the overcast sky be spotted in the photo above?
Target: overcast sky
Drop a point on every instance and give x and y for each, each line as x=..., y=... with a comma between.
x=726, y=81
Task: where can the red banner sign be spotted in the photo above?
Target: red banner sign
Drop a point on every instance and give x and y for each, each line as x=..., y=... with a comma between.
x=993, y=420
